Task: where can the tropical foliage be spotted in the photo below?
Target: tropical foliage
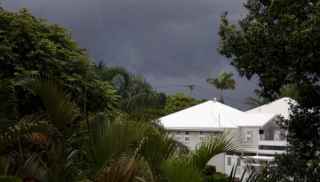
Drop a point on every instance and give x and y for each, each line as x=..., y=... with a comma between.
x=63, y=118
x=49, y=147
x=178, y=102
x=224, y=81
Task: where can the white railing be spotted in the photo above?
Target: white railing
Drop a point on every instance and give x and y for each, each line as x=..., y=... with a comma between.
x=273, y=142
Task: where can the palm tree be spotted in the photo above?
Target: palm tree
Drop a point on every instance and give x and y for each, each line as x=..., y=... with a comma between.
x=133, y=151
x=42, y=152
x=112, y=151
x=223, y=82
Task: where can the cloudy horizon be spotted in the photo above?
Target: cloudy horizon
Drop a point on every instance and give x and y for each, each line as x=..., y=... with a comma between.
x=172, y=43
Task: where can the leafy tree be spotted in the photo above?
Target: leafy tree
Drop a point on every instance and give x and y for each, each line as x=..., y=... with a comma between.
x=279, y=42
x=179, y=102
x=223, y=82
x=32, y=46
x=301, y=163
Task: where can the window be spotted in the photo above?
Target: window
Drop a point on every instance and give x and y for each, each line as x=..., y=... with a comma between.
x=261, y=132
x=186, y=138
x=187, y=133
x=248, y=137
x=178, y=132
x=202, y=138
x=229, y=161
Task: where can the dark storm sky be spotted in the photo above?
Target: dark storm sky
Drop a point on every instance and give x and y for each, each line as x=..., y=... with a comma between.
x=170, y=42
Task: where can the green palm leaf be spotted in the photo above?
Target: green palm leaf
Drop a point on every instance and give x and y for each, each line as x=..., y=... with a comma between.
x=212, y=147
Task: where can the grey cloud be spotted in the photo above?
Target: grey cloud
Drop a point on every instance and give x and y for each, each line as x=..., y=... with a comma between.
x=170, y=42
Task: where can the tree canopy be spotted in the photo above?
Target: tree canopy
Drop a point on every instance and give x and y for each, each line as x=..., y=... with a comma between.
x=31, y=46
x=278, y=41
x=179, y=102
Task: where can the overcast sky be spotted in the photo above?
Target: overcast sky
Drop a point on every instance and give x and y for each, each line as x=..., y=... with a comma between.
x=170, y=42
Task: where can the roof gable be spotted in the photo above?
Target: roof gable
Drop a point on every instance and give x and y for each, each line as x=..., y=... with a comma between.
x=279, y=107
x=207, y=115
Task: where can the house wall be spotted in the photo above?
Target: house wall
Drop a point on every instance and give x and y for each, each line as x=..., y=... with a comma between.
x=192, y=138
x=247, y=139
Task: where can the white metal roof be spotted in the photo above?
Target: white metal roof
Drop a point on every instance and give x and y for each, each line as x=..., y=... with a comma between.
x=255, y=119
x=213, y=115
x=209, y=115
x=279, y=107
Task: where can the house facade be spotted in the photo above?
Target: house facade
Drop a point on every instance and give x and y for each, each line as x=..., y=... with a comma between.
x=254, y=132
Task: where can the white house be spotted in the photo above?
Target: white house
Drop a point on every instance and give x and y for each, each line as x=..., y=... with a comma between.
x=255, y=132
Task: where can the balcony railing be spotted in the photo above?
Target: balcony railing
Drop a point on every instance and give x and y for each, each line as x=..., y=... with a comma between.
x=273, y=142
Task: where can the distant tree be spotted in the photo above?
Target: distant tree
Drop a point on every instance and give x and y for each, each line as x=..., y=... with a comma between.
x=179, y=102
x=224, y=81
x=137, y=95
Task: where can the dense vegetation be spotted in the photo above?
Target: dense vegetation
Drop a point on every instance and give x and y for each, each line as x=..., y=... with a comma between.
x=278, y=41
x=64, y=118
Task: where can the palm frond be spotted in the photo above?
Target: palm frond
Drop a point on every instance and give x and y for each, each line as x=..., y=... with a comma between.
x=8, y=107
x=61, y=110
x=121, y=170
x=178, y=170
x=208, y=149
x=223, y=81
x=113, y=139
x=157, y=148
x=246, y=176
x=22, y=129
